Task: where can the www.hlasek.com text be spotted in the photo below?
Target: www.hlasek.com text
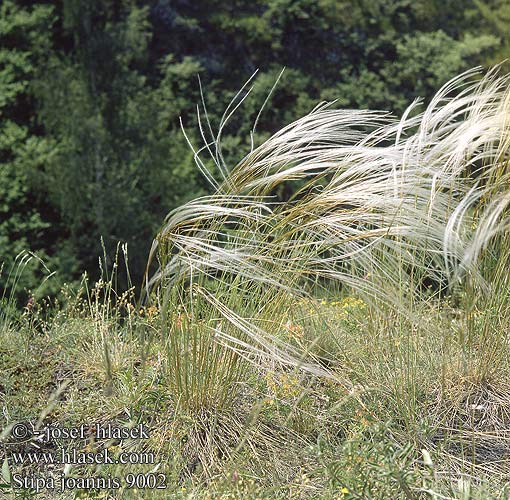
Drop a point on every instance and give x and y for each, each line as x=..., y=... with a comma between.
x=74, y=457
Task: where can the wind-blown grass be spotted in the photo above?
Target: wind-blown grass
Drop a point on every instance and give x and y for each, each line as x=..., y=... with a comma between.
x=405, y=217
x=380, y=205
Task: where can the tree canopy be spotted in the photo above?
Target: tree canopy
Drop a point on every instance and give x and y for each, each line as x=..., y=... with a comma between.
x=92, y=95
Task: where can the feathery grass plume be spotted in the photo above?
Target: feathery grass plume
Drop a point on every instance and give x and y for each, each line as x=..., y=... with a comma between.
x=379, y=205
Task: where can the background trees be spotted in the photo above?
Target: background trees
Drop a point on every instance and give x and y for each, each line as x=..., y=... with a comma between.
x=91, y=93
x=27, y=222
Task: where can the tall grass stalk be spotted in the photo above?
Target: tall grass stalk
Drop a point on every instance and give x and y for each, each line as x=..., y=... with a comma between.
x=8, y=296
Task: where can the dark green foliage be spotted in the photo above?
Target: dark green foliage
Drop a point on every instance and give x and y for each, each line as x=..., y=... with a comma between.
x=120, y=167
x=495, y=18
x=26, y=219
x=91, y=93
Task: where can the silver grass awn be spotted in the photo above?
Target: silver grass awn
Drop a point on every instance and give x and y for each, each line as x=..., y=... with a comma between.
x=378, y=201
